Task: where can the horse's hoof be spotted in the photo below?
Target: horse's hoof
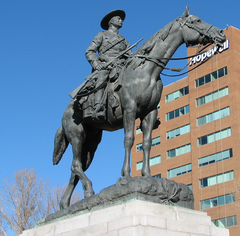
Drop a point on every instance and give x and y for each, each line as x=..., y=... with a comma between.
x=125, y=173
x=88, y=193
x=124, y=180
x=63, y=205
x=146, y=174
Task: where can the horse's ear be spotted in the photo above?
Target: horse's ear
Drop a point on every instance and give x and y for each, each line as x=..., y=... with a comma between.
x=186, y=12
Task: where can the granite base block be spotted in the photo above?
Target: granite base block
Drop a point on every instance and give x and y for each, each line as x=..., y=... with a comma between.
x=135, y=218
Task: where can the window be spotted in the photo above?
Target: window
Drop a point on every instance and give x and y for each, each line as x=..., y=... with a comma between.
x=216, y=179
x=190, y=186
x=138, y=130
x=179, y=151
x=214, y=137
x=180, y=170
x=139, y=147
x=153, y=161
x=177, y=94
x=217, y=201
x=176, y=113
x=155, y=142
x=157, y=176
x=225, y=222
x=139, y=165
x=212, y=96
x=219, y=156
x=210, y=77
x=213, y=116
x=179, y=131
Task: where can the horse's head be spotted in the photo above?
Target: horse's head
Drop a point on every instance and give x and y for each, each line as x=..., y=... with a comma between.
x=195, y=31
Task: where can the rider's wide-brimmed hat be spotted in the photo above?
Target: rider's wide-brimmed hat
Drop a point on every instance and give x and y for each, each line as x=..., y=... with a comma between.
x=110, y=15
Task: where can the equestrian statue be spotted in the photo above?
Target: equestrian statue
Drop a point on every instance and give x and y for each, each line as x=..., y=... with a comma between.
x=120, y=90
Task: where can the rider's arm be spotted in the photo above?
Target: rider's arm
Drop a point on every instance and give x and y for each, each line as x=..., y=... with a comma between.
x=130, y=52
x=91, y=52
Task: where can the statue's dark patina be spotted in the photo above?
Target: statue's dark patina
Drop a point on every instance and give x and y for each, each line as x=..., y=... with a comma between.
x=136, y=94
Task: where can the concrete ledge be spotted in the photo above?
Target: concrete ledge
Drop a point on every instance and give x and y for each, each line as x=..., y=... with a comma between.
x=135, y=218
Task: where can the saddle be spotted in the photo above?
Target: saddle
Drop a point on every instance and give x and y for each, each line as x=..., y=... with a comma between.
x=110, y=102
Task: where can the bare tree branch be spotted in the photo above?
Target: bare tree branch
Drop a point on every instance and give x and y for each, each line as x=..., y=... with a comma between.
x=27, y=200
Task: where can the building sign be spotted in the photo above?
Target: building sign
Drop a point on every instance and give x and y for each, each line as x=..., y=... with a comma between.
x=209, y=53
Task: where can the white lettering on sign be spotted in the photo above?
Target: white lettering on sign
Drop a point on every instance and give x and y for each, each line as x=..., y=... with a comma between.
x=209, y=53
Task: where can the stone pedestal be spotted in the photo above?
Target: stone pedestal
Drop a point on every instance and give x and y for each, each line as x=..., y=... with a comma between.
x=133, y=218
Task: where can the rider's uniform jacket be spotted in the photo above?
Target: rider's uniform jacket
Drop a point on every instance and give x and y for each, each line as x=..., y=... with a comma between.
x=108, y=45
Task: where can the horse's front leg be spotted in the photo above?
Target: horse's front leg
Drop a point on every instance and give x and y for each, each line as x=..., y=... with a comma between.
x=128, y=123
x=147, y=125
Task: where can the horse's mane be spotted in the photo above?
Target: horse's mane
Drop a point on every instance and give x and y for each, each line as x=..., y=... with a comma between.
x=146, y=48
x=150, y=43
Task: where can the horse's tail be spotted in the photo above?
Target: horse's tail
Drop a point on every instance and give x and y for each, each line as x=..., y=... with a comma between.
x=60, y=145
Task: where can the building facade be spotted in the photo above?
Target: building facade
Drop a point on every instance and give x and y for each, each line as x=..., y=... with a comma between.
x=197, y=142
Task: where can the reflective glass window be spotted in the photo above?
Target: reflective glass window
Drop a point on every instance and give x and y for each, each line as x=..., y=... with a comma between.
x=211, y=159
x=201, y=81
x=210, y=138
x=207, y=78
x=213, y=202
x=171, y=115
x=220, y=179
x=216, y=179
x=139, y=147
x=178, y=112
x=203, y=140
x=139, y=165
x=214, y=75
x=210, y=77
x=172, y=96
x=155, y=141
x=208, y=98
x=221, y=73
x=221, y=200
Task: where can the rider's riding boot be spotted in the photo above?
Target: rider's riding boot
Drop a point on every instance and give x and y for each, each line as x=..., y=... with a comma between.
x=99, y=112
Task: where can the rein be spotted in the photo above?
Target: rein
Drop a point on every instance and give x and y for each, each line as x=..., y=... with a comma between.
x=161, y=64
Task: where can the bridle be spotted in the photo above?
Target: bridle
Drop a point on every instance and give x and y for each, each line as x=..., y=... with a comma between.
x=196, y=28
x=201, y=31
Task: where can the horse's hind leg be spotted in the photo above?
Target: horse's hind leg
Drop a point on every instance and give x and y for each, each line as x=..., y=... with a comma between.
x=65, y=201
x=77, y=164
x=76, y=135
x=84, y=144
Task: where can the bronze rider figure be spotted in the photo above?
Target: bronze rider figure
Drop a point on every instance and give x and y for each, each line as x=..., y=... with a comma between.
x=108, y=44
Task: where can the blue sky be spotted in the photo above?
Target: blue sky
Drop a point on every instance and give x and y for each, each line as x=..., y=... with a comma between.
x=42, y=47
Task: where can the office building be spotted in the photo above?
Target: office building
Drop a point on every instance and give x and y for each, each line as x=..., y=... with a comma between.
x=198, y=141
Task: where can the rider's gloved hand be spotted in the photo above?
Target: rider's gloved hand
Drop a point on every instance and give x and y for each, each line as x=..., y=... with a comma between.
x=99, y=66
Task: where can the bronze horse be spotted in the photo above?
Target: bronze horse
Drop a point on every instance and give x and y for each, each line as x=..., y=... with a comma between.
x=139, y=96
